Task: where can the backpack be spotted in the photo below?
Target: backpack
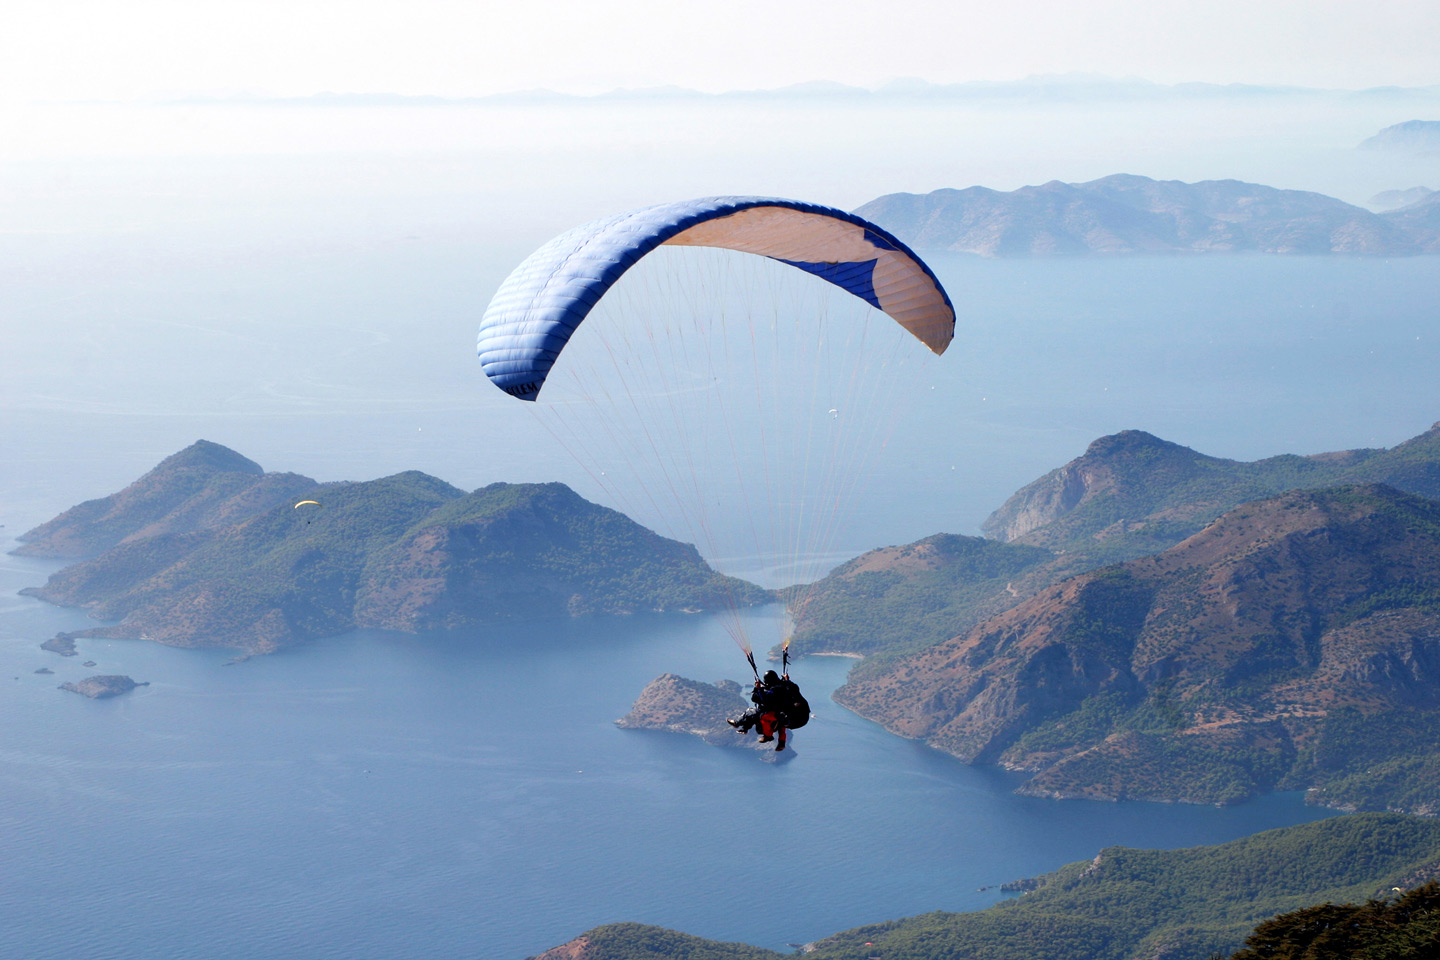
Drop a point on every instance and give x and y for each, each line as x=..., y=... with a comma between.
x=795, y=709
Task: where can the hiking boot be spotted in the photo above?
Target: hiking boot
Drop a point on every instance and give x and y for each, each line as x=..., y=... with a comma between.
x=734, y=723
x=766, y=739
x=779, y=747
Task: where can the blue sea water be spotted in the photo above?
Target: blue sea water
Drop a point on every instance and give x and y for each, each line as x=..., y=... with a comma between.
x=467, y=795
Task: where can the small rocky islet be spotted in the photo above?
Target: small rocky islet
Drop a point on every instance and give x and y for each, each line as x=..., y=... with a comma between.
x=101, y=687
x=675, y=704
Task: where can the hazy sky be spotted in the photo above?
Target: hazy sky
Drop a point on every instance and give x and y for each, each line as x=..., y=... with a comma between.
x=63, y=49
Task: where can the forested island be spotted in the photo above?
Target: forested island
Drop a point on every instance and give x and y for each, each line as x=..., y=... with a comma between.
x=207, y=549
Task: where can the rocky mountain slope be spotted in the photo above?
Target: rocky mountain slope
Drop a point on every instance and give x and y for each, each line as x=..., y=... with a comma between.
x=1129, y=495
x=897, y=598
x=1126, y=214
x=1207, y=673
x=1124, y=904
x=408, y=552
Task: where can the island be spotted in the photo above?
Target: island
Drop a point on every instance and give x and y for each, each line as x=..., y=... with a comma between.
x=675, y=704
x=61, y=643
x=208, y=550
x=103, y=687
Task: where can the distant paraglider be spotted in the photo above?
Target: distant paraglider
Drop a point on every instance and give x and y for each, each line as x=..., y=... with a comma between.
x=307, y=503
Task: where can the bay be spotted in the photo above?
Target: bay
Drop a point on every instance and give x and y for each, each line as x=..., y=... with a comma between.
x=467, y=795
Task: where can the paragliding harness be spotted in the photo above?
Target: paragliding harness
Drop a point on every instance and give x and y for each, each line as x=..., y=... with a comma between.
x=789, y=704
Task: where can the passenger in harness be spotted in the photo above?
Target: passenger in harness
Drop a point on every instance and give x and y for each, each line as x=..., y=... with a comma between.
x=779, y=708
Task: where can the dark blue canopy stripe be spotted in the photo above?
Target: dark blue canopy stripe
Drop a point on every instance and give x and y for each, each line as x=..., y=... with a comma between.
x=856, y=278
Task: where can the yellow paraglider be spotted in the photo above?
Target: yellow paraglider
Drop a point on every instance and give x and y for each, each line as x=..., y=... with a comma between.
x=314, y=503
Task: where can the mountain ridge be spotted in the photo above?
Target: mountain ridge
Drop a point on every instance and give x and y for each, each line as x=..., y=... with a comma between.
x=1126, y=214
x=1129, y=495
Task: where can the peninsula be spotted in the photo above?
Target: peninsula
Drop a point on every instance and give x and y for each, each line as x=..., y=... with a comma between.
x=1151, y=623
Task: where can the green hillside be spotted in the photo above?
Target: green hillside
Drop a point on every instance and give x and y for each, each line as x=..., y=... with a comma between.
x=408, y=552
x=1125, y=904
x=901, y=598
x=1399, y=927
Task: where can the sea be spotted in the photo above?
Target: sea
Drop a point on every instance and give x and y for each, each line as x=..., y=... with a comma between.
x=303, y=284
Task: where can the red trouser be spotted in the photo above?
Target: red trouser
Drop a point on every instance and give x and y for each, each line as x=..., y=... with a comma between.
x=770, y=725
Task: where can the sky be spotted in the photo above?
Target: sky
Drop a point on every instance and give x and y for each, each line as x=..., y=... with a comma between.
x=80, y=50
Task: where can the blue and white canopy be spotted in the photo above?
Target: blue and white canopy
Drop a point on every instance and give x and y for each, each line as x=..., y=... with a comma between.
x=545, y=299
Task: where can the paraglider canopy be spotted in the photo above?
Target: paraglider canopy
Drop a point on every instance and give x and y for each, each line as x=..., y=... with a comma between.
x=704, y=398
x=304, y=502
x=540, y=304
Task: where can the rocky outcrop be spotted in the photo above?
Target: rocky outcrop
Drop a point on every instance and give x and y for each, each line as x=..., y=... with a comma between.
x=103, y=687
x=577, y=949
x=1125, y=214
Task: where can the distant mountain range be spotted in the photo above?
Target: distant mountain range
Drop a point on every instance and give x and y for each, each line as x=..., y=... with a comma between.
x=1392, y=199
x=1069, y=87
x=1127, y=904
x=209, y=550
x=1249, y=639
x=1125, y=215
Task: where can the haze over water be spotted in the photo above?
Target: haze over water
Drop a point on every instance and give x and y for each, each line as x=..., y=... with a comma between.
x=303, y=285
